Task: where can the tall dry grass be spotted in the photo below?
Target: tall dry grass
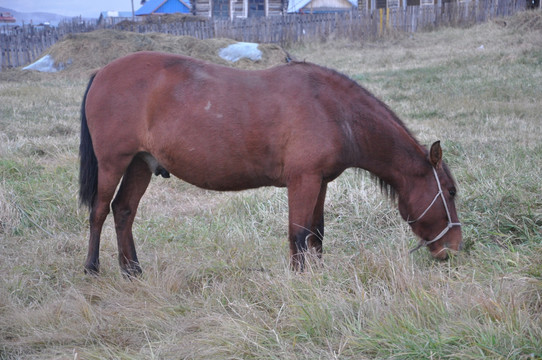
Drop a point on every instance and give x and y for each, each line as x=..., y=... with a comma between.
x=216, y=281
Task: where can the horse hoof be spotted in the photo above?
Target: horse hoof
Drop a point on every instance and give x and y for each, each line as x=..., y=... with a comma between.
x=92, y=270
x=133, y=271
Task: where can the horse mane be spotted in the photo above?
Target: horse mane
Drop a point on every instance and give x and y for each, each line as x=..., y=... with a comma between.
x=355, y=84
x=385, y=188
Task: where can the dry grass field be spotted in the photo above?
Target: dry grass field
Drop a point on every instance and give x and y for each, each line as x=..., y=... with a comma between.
x=216, y=281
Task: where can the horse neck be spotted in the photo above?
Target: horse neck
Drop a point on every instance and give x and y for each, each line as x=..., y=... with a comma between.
x=375, y=139
x=387, y=150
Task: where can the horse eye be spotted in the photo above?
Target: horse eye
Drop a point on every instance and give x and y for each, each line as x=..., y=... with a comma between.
x=452, y=192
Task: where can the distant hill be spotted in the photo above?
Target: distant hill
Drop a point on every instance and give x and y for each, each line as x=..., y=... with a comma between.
x=35, y=17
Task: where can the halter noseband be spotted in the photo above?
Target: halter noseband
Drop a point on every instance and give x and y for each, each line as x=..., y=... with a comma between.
x=451, y=224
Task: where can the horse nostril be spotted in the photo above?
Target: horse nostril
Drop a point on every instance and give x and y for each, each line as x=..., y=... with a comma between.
x=448, y=246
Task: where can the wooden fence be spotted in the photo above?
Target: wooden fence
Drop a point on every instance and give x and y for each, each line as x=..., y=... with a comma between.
x=20, y=46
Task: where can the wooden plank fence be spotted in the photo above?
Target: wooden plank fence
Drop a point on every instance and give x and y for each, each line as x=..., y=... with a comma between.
x=20, y=46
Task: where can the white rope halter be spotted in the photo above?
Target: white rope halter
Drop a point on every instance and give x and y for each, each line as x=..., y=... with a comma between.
x=451, y=224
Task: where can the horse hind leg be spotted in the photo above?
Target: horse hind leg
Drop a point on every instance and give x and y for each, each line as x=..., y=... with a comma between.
x=134, y=184
x=108, y=179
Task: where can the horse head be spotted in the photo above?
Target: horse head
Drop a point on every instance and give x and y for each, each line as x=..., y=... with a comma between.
x=429, y=207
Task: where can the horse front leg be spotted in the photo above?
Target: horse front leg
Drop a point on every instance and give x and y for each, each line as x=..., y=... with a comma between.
x=303, y=196
x=317, y=229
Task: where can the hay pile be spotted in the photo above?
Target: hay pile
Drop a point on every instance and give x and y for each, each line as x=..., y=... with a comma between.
x=525, y=21
x=90, y=51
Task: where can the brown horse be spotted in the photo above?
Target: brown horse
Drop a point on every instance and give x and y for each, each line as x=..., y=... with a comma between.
x=297, y=126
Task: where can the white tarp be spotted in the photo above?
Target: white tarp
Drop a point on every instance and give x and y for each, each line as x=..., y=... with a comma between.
x=45, y=64
x=296, y=5
x=235, y=52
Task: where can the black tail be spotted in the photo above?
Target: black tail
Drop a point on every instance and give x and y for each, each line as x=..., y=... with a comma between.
x=88, y=166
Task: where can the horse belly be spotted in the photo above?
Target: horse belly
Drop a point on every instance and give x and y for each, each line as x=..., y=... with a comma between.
x=220, y=169
x=225, y=179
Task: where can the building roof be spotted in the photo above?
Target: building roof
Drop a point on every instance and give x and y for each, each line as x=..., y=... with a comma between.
x=164, y=7
x=297, y=5
x=6, y=17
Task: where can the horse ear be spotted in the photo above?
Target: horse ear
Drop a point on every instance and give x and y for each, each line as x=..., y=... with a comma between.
x=435, y=155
